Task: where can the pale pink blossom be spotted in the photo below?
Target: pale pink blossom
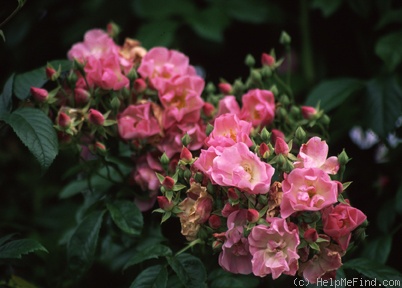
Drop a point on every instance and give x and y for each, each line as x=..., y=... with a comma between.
x=258, y=107
x=340, y=221
x=228, y=130
x=137, y=121
x=307, y=189
x=274, y=249
x=182, y=100
x=238, y=167
x=228, y=104
x=314, y=154
x=161, y=65
x=235, y=256
x=205, y=160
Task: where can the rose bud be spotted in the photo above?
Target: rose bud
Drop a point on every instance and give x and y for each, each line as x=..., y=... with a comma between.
x=232, y=194
x=164, y=203
x=208, y=109
x=39, y=94
x=225, y=88
x=95, y=117
x=228, y=209
x=252, y=215
x=51, y=74
x=267, y=60
x=214, y=221
x=310, y=235
x=100, y=148
x=308, y=112
x=63, y=120
x=140, y=85
x=275, y=134
x=168, y=182
x=186, y=154
x=281, y=147
x=263, y=150
x=82, y=96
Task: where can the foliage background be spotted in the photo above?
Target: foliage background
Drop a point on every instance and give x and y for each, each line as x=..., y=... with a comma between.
x=346, y=53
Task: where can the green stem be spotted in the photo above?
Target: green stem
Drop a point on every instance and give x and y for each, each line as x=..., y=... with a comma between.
x=20, y=4
x=191, y=244
x=307, y=52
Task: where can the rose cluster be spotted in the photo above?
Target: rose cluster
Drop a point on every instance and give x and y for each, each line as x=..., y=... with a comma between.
x=243, y=166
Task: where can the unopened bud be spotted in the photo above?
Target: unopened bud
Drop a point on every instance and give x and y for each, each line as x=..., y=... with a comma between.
x=274, y=90
x=186, y=154
x=267, y=60
x=325, y=119
x=63, y=120
x=265, y=135
x=255, y=76
x=214, y=221
x=285, y=39
x=81, y=95
x=310, y=235
x=115, y=103
x=225, y=88
x=165, y=159
x=100, y=148
x=300, y=134
x=168, y=183
x=295, y=111
x=41, y=95
x=164, y=203
x=249, y=61
x=140, y=85
x=210, y=88
x=51, y=73
x=132, y=74
x=186, y=139
x=252, y=215
x=112, y=29
x=208, y=109
x=232, y=194
x=95, y=117
x=284, y=99
x=264, y=150
x=275, y=134
x=308, y=112
x=281, y=147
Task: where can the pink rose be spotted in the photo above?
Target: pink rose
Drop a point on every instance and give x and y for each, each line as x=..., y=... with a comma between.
x=228, y=130
x=340, y=221
x=182, y=100
x=137, y=121
x=274, y=249
x=238, y=167
x=228, y=104
x=258, y=107
x=235, y=256
x=307, y=189
x=161, y=65
x=323, y=265
x=204, y=162
x=314, y=153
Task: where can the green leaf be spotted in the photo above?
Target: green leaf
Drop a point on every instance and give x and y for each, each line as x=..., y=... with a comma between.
x=378, y=249
x=190, y=270
x=327, y=7
x=398, y=200
x=389, y=49
x=254, y=11
x=157, y=33
x=332, y=93
x=209, y=23
x=152, y=277
x=5, y=97
x=383, y=105
x=35, y=78
x=6, y=238
x=36, y=131
x=150, y=252
x=386, y=216
x=219, y=278
x=390, y=17
x=373, y=269
x=82, y=244
x=16, y=248
x=126, y=216
x=158, y=9
x=96, y=183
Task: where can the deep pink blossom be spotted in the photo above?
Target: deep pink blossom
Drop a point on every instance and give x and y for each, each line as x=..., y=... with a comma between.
x=307, y=189
x=314, y=154
x=228, y=104
x=340, y=221
x=258, y=107
x=274, y=249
